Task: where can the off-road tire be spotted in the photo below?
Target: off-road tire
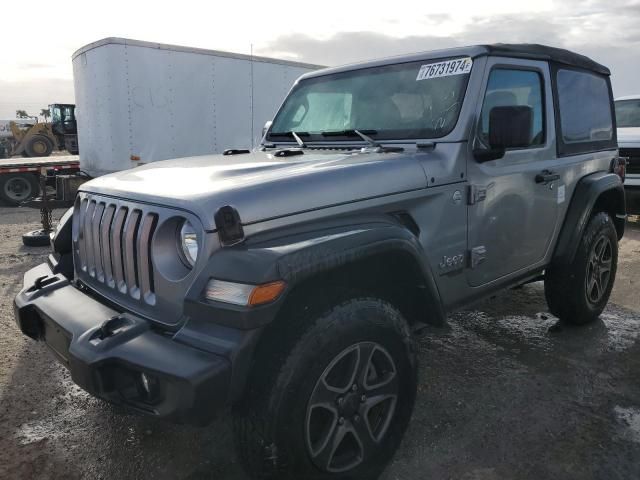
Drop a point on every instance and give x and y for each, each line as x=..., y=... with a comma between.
x=39, y=146
x=271, y=426
x=566, y=287
x=29, y=187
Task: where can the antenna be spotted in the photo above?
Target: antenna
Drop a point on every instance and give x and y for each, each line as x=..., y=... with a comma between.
x=251, y=96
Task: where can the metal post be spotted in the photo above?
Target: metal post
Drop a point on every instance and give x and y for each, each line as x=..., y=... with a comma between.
x=45, y=211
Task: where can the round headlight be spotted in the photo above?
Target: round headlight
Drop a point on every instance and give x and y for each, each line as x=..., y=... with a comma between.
x=188, y=243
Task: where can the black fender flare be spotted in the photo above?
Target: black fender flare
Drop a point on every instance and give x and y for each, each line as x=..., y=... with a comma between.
x=292, y=255
x=299, y=254
x=588, y=191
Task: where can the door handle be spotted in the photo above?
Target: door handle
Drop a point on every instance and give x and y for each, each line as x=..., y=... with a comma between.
x=546, y=176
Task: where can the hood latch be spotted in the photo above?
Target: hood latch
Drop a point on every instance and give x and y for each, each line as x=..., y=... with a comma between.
x=229, y=226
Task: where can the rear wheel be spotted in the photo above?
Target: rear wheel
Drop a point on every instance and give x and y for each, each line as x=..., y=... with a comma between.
x=577, y=293
x=337, y=405
x=39, y=146
x=18, y=187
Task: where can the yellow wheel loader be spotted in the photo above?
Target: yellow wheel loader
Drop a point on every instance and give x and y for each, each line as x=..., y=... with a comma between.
x=38, y=139
x=32, y=140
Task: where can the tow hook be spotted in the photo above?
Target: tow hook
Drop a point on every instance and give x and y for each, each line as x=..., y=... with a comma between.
x=110, y=327
x=42, y=282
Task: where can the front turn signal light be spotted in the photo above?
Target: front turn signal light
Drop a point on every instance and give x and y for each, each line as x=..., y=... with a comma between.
x=266, y=293
x=243, y=294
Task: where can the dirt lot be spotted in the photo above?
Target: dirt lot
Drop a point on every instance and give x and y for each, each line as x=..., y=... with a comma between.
x=501, y=397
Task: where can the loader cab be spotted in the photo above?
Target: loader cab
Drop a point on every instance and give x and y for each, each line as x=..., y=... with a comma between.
x=63, y=118
x=64, y=126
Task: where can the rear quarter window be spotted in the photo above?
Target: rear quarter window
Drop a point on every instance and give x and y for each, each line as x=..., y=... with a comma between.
x=584, y=104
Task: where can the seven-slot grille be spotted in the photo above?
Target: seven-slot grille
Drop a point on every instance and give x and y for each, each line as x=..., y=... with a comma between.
x=113, y=244
x=633, y=159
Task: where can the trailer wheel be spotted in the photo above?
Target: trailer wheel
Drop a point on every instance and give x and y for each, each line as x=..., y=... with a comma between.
x=18, y=187
x=39, y=146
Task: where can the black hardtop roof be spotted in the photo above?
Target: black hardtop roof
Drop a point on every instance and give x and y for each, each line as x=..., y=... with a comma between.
x=520, y=50
x=543, y=52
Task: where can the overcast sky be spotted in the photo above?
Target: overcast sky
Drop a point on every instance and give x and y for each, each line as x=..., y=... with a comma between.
x=39, y=37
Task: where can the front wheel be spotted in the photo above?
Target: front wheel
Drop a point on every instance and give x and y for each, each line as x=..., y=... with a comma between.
x=39, y=146
x=577, y=293
x=338, y=404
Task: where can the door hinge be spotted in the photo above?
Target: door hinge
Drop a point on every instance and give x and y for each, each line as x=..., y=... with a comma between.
x=477, y=255
x=476, y=194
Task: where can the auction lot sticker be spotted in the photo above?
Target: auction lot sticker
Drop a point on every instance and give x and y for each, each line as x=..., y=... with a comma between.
x=458, y=66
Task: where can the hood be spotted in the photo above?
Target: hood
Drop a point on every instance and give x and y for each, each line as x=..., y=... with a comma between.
x=628, y=135
x=261, y=186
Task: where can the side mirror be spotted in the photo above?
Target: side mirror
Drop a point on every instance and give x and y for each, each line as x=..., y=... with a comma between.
x=509, y=127
x=266, y=128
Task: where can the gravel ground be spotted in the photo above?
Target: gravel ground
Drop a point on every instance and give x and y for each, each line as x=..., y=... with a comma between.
x=501, y=396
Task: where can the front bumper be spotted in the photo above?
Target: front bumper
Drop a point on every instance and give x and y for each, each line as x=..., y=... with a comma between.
x=107, y=352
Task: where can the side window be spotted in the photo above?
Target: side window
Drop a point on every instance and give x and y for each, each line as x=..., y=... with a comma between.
x=55, y=114
x=585, y=110
x=514, y=88
x=628, y=113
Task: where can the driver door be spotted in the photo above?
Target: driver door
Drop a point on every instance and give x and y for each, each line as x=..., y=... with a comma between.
x=511, y=217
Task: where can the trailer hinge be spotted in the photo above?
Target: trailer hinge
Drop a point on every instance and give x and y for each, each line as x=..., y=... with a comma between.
x=476, y=194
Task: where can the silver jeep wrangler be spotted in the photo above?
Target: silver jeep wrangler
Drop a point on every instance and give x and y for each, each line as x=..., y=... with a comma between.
x=284, y=284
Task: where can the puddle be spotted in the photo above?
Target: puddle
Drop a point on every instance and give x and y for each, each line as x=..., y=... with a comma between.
x=630, y=418
x=622, y=329
x=63, y=423
x=49, y=428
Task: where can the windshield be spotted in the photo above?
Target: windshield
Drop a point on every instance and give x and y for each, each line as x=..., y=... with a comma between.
x=628, y=113
x=402, y=101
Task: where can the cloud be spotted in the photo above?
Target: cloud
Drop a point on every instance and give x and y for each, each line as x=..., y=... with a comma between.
x=35, y=66
x=348, y=47
x=606, y=30
x=33, y=95
x=603, y=30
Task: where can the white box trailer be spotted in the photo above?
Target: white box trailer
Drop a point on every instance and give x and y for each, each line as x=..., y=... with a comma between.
x=139, y=102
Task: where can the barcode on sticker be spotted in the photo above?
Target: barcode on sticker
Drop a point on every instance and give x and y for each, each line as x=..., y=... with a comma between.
x=458, y=66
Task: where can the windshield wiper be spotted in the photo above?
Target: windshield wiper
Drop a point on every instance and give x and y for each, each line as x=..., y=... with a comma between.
x=298, y=139
x=348, y=133
x=364, y=135
x=295, y=135
x=368, y=139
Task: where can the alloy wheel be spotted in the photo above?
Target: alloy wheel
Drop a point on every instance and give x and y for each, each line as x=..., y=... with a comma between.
x=351, y=407
x=599, y=269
